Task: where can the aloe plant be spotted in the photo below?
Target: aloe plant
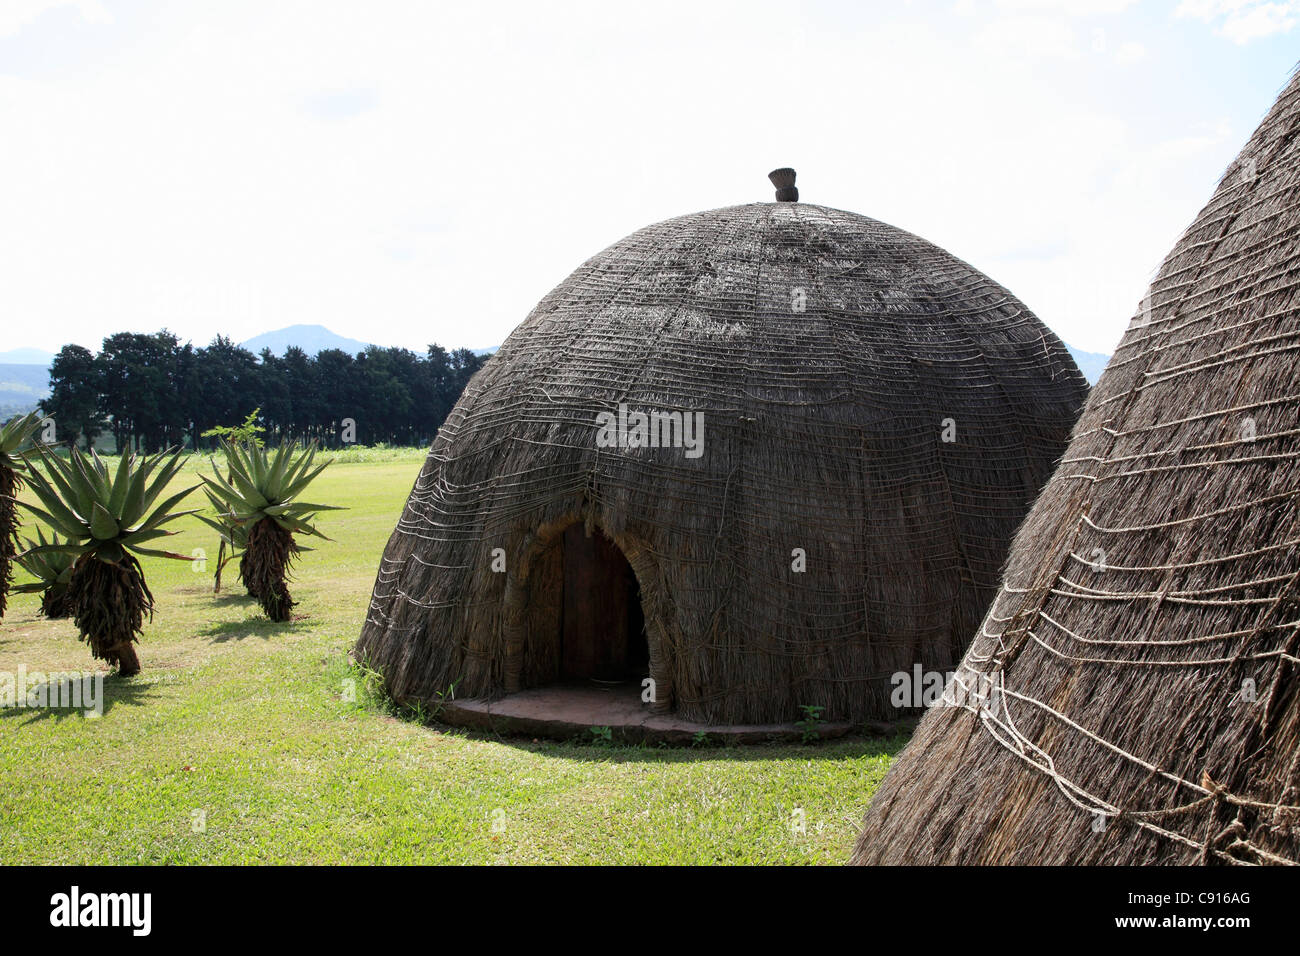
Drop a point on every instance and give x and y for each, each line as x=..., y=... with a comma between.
x=15, y=435
x=107, y=519
x=260, y=497
x=52, y=570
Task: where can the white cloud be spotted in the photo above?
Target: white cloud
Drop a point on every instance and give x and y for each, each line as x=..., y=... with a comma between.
x=1028, y=38
x=1057, y=8
x=1070, y=7
x=16, y=14
x=1244, y=20
x=1130, y=52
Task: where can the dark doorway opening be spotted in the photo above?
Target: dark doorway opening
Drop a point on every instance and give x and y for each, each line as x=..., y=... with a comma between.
x=602, y=629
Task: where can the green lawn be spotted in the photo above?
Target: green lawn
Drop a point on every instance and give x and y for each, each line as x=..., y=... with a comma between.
x=235, y=745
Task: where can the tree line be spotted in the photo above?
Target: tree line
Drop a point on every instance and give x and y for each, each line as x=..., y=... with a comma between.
x=150, y=392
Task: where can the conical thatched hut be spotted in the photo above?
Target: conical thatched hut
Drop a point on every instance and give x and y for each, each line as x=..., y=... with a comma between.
x=1132, y=695
x=761, y=456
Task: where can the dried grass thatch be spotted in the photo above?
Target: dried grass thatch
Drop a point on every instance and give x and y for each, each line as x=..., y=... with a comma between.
x=824, y=350
x=1139, y=665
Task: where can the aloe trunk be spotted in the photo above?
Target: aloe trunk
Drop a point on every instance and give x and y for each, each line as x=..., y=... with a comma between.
x=265, y=567
x=15, y=437
x=109, y=604
x=54, y=604
x=8, y=533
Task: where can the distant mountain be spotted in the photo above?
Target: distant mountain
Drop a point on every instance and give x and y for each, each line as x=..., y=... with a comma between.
x=1091, y=364
x=26, y=357
x=310, y=338
x=22, y=386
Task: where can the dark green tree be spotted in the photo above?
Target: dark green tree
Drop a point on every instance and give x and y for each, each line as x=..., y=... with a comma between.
x=154, y=392
x=73, y=401
x=140, y=380
x=336, y=383
x=224, y=387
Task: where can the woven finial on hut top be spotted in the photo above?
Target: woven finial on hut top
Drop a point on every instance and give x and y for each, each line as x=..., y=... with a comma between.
x=783, y=180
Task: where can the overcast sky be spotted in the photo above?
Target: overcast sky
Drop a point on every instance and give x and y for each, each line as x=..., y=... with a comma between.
x=425, y=172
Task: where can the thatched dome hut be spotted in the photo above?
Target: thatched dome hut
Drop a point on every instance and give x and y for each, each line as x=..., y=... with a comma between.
x=761, y=456
x=1133, y=690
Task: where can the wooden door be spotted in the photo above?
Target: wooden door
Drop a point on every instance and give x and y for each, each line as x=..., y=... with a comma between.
x=602, y=631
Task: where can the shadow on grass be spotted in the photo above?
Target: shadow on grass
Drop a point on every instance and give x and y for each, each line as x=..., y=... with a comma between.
x=594, y=749
x=848, y=747
x=116, y=691
x=236, y=598
x=251, y=627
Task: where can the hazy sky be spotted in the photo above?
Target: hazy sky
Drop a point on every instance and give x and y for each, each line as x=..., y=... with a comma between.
x=410, y=173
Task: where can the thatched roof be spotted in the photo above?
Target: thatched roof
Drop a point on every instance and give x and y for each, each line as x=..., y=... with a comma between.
x=1144, y=642
x=824, y=350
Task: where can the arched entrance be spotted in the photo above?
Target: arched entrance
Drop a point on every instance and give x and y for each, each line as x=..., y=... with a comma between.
x=574, y=612
x=602, y=626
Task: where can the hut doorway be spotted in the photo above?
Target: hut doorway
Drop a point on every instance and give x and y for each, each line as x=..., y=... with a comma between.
x=584, y=618
x=602, y=633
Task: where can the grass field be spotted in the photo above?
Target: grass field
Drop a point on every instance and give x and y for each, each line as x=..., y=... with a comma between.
x=236, y=745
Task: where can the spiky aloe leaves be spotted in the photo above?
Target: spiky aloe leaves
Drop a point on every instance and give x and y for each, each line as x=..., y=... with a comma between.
x=14, y=437
x=261, y=485
x=52, y=570
x=107, y=514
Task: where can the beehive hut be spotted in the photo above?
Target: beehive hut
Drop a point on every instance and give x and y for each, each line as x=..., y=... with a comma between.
x=743, y=461
x=1131, y=696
